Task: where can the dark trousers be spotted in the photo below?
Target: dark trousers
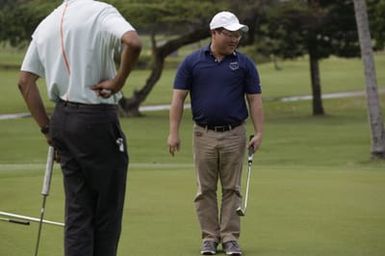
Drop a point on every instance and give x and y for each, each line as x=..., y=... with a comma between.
x=94, y=163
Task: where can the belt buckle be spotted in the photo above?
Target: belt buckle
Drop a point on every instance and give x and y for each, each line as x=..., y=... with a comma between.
x=222, y=128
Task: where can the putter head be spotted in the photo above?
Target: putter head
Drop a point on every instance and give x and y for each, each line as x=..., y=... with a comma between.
x=240, y=212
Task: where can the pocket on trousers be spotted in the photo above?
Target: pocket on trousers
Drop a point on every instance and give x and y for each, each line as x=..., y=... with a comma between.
x=120, y=138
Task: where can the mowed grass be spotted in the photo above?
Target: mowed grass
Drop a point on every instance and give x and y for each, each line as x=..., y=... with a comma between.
x=314, y=189
x=292, y=211
x=337, y=75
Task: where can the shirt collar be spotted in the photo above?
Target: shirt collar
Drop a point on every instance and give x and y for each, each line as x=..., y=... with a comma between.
x=207, y=50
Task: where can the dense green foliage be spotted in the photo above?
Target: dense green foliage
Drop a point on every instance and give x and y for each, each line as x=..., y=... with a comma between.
x=377, y=18
x=332, y=22
x=19, y=18
x=322, y=28
x=288, y=29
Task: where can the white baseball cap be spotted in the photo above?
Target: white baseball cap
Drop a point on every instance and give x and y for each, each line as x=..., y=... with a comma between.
x=228, y=21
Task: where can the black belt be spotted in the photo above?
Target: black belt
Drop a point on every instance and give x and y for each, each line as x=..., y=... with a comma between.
x=78, y=105
x=220, y=128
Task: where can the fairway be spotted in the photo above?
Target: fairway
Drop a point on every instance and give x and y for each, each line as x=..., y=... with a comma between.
x=292, y=211
x=314, y=190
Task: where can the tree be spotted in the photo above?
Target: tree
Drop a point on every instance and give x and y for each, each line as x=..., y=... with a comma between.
x=374, y=109
x=189, y=21
x=376, y=12
x=130, y=106
x=290, y=28
x=185, y=22
x=317, y=28
x=19, y=18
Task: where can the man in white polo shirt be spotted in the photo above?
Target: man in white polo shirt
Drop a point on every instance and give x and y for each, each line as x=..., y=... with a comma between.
x=73, y=49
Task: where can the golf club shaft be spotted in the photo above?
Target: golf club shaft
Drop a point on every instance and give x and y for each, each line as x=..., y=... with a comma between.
x=40, y=225
x=27, y=218
x=249, y=162
x=241, y=211
x=45, y=192
x=247, y=187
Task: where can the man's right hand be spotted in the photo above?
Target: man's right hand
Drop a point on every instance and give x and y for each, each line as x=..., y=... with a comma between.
x=173, y=142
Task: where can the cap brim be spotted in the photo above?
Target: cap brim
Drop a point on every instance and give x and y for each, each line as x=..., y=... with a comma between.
x=236, y=27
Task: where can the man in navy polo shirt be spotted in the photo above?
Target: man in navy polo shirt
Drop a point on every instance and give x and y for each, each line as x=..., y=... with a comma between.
x=218, y=78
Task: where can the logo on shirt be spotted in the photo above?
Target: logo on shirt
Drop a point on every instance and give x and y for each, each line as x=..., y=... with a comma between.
x=234, y=65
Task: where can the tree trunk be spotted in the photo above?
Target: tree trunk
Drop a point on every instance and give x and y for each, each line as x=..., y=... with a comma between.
x=316, y=85
x=130, y=106
x=374, y=109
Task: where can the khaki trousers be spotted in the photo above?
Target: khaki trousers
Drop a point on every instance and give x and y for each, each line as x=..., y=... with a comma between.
x=219, y=156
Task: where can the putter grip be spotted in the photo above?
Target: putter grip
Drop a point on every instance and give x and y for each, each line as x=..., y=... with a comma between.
x=48, y=171
x=251, y=150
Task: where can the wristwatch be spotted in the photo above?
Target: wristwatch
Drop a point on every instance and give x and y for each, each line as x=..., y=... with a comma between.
x=45, y=129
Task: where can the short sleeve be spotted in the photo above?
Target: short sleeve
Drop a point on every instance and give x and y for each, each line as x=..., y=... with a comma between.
x=32, y=62
x=252, y=80
x=114, y=23
x=183, y=77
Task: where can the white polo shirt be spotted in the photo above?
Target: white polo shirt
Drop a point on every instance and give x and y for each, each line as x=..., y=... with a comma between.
x=73, y=49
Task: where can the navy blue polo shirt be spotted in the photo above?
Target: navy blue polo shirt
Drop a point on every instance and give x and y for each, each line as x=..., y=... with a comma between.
x=217, y=89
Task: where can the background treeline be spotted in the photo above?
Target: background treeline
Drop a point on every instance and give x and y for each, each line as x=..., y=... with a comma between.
x=279, y=29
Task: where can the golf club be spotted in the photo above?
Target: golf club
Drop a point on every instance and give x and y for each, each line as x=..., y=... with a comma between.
x=45, y=191
x=27, y=218
x=21, y=222
x=242, y=211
